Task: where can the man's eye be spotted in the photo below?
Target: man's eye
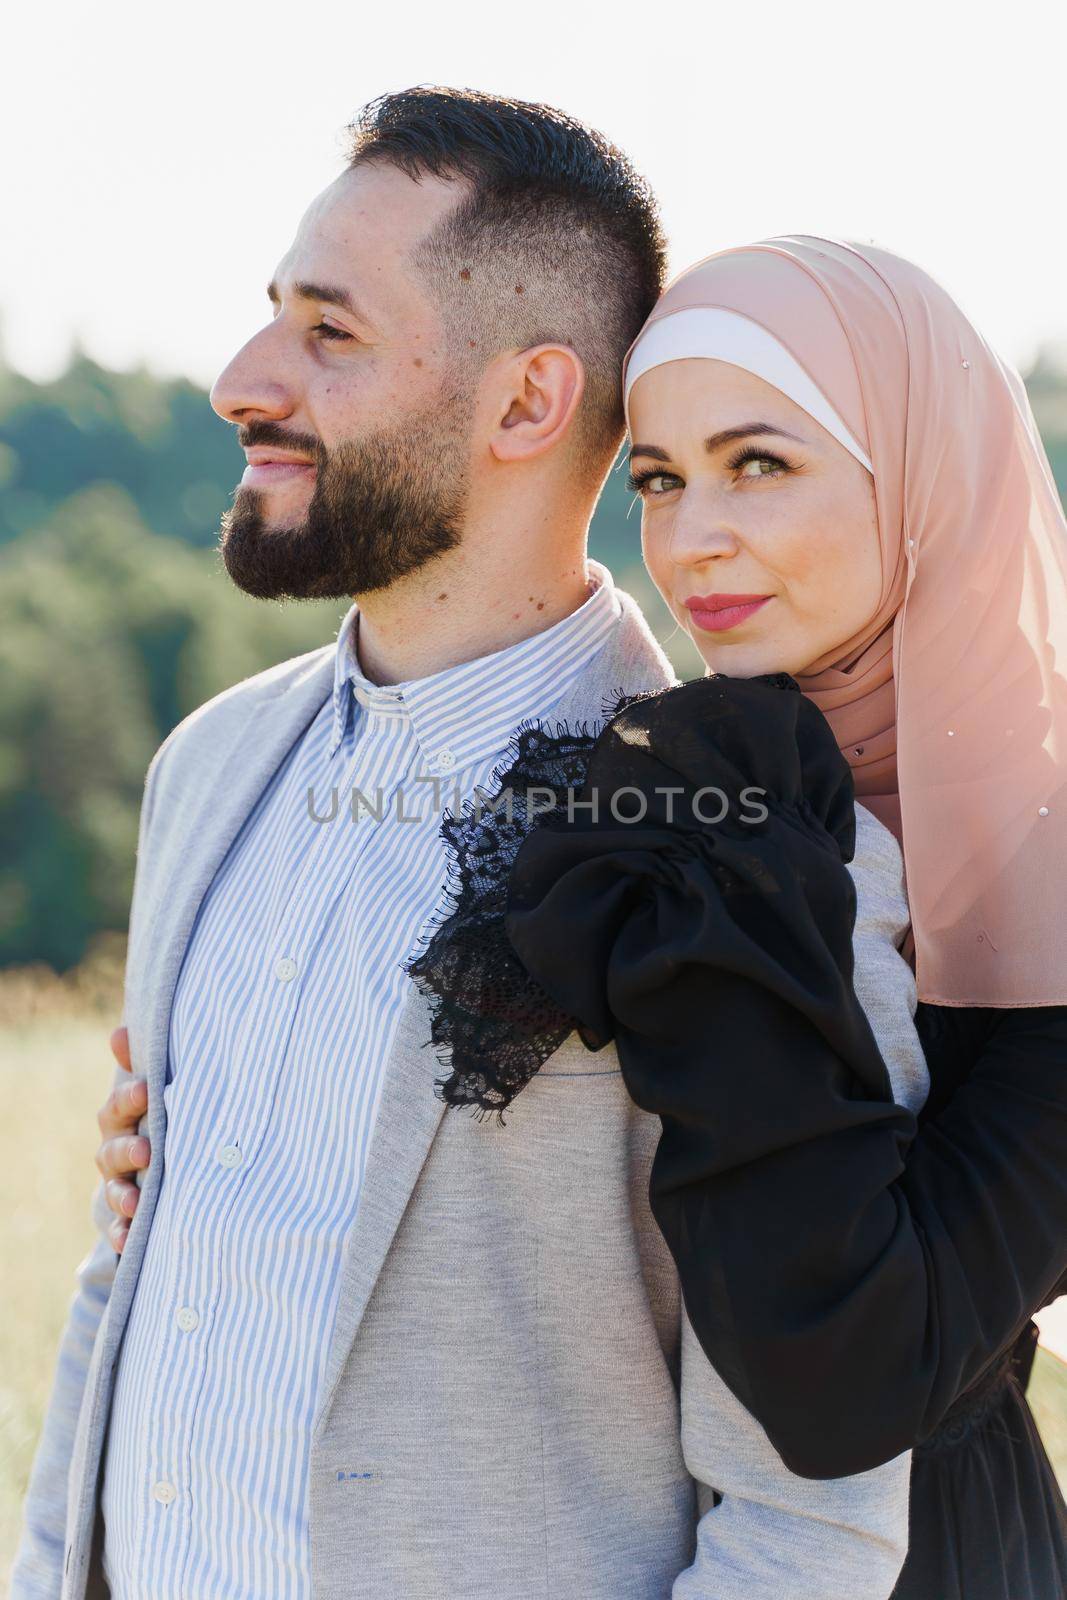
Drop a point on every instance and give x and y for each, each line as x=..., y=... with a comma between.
x=329, y=332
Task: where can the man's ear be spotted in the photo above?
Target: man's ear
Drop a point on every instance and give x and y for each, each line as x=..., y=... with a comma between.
x=542, y=390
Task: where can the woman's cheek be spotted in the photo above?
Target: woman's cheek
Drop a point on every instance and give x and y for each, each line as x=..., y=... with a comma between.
x=810, y=558
x=655, y=545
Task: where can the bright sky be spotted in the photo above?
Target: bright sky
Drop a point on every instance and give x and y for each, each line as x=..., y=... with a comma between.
x=157, y=160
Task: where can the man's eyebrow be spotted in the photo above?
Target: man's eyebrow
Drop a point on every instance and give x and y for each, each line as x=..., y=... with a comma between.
x=717, y=440
x=330, y=293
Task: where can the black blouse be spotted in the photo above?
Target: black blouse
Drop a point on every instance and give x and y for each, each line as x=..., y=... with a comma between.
x=849, y=1268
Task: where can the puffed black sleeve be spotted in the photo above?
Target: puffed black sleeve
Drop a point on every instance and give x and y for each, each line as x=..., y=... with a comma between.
x=846, y=1277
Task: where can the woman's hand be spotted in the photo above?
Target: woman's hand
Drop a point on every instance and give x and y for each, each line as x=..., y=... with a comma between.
x=123, y=1150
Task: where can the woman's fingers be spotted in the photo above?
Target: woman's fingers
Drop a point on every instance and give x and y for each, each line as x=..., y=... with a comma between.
x=122, y=1156
x=120, y=1048
x=117, y=1232
x=124, y=1107
x=124, y=1151
x=122, y=1196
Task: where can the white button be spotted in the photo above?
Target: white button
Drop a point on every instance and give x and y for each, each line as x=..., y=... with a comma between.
x=164, y=1492
x=446, y=759
x=284, y=969
x=229, y=1155
x=187, y=1319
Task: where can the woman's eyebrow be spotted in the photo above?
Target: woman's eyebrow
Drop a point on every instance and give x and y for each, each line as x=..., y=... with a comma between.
x=728, y=435
x=717, y=440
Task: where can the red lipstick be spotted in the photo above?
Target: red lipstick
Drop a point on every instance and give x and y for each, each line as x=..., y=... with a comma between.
x=718, y=612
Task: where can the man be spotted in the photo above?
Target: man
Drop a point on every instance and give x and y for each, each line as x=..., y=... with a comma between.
x=354, y=1345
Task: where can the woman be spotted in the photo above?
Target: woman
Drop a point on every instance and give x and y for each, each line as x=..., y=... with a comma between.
x=841, y=482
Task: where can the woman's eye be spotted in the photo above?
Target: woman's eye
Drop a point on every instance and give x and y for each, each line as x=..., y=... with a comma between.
x=330, y=332
x=751, y=462
x=653, y=483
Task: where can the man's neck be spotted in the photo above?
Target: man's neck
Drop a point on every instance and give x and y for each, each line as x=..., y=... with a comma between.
x=468, y=603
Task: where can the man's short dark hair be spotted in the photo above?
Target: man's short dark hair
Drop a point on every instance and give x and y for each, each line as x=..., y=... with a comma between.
x=558, y=240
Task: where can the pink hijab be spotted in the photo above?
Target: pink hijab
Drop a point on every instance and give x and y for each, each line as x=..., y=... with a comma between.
x=951, y=704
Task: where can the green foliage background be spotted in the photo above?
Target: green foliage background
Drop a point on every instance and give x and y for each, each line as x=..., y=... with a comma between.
x=117, y=619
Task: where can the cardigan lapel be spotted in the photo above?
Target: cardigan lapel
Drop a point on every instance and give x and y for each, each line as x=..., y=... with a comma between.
x=409, y=1111
x=208, y=821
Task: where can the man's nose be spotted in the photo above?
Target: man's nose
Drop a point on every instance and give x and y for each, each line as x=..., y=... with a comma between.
x=252, y=385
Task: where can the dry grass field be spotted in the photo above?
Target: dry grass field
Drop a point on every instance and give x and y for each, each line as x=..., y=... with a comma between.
x=55, y=1070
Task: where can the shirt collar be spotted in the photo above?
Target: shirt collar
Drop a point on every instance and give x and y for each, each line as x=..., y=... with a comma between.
x=467, y=712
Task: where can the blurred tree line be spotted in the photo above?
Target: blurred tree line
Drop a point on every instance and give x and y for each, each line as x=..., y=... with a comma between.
x=117, y=619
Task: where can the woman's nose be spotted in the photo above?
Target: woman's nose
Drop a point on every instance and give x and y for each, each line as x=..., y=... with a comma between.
x=701, y=534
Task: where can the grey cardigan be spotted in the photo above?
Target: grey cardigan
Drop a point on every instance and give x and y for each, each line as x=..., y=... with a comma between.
x=514, y=1405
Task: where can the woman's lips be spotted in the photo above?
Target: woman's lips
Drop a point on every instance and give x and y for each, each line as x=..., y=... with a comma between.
x=260, y=473
x=718, y=612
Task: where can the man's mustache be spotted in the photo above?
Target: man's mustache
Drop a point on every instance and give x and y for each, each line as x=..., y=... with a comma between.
x=264, y=432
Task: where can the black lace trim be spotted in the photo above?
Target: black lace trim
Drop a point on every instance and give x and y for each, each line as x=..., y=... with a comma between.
x=492, y=1025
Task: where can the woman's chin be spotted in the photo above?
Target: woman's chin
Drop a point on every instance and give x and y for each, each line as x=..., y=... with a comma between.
x=744, y=662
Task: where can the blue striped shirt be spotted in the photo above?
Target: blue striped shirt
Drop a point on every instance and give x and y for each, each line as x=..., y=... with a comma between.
x=288, y=997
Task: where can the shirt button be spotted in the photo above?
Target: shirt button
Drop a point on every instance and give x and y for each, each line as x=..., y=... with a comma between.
x=164, y=1492
x=187, y=1319
x=284, y=969
x=229, y=1155
x=446, y=759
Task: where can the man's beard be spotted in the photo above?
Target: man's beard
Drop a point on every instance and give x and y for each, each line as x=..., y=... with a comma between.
x=383, y=506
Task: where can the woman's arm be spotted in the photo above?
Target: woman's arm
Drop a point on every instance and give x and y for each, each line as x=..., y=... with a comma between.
x=856, y=1300
x=846, y=1275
